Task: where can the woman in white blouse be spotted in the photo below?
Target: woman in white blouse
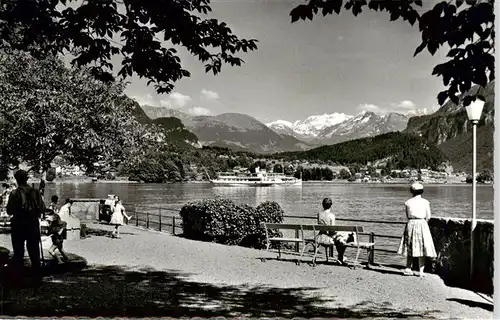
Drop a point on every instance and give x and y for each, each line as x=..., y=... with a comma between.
x=417, y=239
x=65, y=211
x=339, y=238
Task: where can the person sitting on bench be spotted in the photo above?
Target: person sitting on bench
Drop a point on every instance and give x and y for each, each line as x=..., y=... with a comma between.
x=339, y=239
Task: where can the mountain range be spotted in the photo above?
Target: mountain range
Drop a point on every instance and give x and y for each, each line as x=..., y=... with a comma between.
x=334, y=128
x=243, y=132
x=233, y=130
x=448, y=128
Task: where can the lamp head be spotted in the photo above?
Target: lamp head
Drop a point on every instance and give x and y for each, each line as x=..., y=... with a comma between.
x=475, y=109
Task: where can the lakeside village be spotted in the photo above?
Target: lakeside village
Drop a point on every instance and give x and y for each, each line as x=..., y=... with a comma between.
x=306, y=170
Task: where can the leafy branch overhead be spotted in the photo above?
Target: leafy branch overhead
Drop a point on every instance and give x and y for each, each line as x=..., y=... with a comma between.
x=465, y=27
x=149, y=31
x=65, y=112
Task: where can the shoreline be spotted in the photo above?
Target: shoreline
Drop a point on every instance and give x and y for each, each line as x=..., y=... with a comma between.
x=81, y=180
x=394, y=181
x=339, y=182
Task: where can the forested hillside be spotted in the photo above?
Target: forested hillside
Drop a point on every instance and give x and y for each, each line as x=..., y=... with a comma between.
x=450, y=129
x=459, y=150
x=173, y=129
x=401, y=151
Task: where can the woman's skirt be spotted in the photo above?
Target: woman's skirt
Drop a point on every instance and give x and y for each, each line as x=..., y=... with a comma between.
x=417, y=240
x=116, y=219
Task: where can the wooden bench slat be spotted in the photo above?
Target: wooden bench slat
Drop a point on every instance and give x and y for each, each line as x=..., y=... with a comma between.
x=280, y=225
x=310, y=227
x=332, y=228
x=286, y=239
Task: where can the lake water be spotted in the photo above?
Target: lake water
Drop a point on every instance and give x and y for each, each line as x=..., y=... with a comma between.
x=350, y=200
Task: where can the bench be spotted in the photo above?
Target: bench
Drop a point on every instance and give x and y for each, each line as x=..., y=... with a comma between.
x=284, y=226
x=316, y=229
x=356, y=244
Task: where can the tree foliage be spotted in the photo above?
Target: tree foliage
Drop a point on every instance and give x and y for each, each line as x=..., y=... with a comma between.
x=149, y=30
x=173, y=163
x=51, y=174
x=261, y=164
x=48, y=110
x=278, y=168
x=314, y=173
x=484, y=176
x=467, y=29
x=344, y=174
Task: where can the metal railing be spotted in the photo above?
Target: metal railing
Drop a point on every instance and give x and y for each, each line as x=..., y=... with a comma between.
x=164, y=219
x=161, y=217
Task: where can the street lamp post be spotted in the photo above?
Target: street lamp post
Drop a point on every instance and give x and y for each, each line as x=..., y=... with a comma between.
x=474, y=111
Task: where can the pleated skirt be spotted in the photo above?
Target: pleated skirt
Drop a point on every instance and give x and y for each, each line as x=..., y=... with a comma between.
x=417, y=240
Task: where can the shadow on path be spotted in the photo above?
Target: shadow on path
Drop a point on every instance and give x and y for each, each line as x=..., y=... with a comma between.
x=473, y=304
x=392, y=270
x=49, y=268
x=116, y=291
x=104, y=233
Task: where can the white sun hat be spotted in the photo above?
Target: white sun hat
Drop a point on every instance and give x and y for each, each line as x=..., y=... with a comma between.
x=417, y=186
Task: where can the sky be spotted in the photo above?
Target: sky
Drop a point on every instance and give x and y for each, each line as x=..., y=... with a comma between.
x=339, y=63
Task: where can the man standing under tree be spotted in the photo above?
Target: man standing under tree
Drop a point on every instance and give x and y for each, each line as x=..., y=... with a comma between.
x=25, y=206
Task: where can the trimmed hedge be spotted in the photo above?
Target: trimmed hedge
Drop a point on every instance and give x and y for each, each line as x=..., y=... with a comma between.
x=222, y=221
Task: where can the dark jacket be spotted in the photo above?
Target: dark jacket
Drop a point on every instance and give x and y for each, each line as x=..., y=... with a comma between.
x=15, y=209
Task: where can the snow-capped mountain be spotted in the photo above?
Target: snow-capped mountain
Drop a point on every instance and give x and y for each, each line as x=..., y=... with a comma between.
x=338, y=127
x=309, y=128
x=364, y=124
x=281, y=127
x=313, y=125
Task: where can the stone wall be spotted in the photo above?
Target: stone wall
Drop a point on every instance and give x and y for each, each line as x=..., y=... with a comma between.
x=85, y=211
x=452, y=242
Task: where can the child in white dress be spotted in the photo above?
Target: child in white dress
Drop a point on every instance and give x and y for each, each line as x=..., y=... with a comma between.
x=117, y=218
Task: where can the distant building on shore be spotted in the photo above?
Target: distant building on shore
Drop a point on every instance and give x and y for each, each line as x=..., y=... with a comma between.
x=65, y=171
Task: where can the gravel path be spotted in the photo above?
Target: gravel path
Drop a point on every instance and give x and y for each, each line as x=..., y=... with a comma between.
x=155, y=274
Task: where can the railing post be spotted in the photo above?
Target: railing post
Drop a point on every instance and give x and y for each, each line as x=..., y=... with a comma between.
x=136, y=216
x=159, y=219
x=371, y=258
x=173, y=226
x=147, y=219
x=297, y=244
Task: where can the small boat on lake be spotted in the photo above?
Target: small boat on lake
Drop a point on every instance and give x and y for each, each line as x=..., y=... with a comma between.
x=261, y=178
